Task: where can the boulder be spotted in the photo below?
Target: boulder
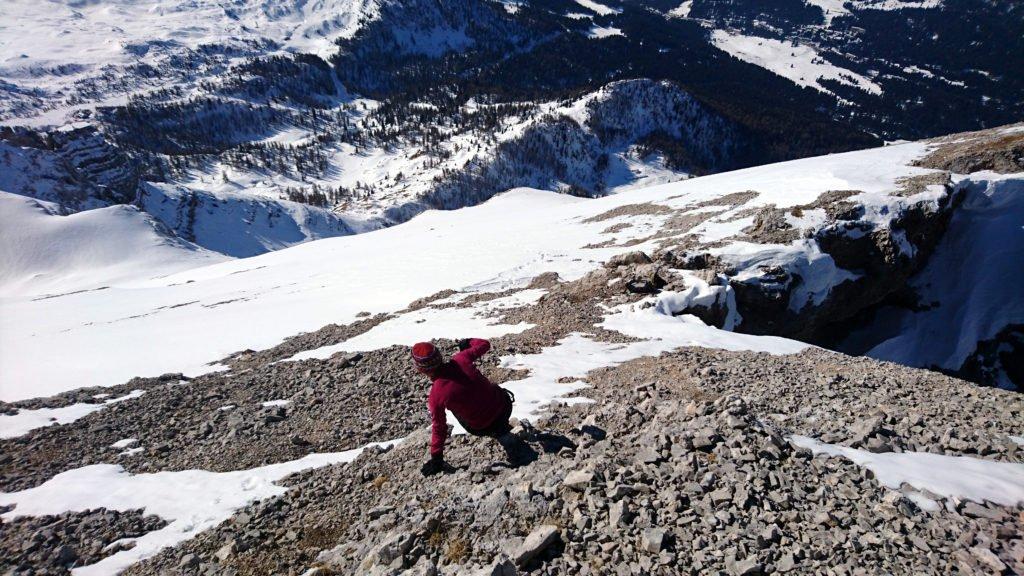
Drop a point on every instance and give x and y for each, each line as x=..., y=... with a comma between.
x=538, y=541
x=578, y=480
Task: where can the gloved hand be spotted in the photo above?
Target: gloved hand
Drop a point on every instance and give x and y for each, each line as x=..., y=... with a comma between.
x=433, y=466
x=463, y=344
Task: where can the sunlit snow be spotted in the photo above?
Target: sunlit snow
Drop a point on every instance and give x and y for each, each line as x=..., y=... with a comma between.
x=183, y=322
x=190, y=500
x=798, y=62
x=960, y=477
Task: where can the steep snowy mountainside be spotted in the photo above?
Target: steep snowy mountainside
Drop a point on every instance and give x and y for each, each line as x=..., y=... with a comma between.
x=65, y=53
x=236, y=224
x=45, y=253
x=794, y=249
x=371, y=111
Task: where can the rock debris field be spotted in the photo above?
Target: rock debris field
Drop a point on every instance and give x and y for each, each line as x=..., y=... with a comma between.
x=695, y=461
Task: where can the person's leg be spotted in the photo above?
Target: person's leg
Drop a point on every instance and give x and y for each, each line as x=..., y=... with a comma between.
x=517, y=451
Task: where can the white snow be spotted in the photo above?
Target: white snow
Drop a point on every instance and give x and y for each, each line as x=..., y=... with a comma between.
x=598, y=8
x=39, y=34
x=799, y=63
x=985, y=245
x=895, y=4
x=44, y=253
x=124, y=443
x=269, y=403
x=831, y=8
x=663, y=332
x=817, y=269
x=959, y=477
x=429, y=323
x=188, y=320
x=683, y=10
x=24, y=421
x=603, y=31
x=577, y=354
x=834, y=8
x=190, y=501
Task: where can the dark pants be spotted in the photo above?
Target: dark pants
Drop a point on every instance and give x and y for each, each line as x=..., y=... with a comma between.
x=500, y=426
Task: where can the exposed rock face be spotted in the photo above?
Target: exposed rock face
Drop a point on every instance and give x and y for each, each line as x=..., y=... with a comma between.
x=95, y=162
x=75, y=167
x=1001, y=355
x=856, y=251
x=878, y=258
x=882, y=257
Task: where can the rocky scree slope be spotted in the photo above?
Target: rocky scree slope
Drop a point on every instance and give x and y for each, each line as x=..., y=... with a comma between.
x=683, y=464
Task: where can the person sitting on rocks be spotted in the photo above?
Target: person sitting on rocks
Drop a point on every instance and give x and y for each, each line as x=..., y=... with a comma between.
x=482, y=407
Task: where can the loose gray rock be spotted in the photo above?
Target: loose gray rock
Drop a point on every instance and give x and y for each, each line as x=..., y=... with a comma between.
x=535, y=543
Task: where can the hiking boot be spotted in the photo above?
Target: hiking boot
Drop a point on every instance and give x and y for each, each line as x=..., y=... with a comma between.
x=517, y=451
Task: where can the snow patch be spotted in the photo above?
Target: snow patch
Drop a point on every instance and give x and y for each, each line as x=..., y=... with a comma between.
x=598, y=8
x=428, y=323
x=959, y=477
x=24, y=421
x=603, y=32
x=663, y=332
x=124, y=443
x=191, y=501
x=799, y=63
x=683, y=10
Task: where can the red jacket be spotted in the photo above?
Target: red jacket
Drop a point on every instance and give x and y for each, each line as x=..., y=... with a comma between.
x=461, y=388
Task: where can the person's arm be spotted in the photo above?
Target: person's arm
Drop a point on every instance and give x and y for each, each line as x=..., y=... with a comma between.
x=438, y=434
x=474, y=349
x=438, y=429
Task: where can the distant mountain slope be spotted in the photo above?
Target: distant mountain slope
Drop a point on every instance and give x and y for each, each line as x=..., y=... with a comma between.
x=43, y=252
x=371, y=111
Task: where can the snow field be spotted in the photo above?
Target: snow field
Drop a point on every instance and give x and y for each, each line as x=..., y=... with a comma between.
x=799, y=63
x=183, y=322
x=24, y=421
x=43, y=253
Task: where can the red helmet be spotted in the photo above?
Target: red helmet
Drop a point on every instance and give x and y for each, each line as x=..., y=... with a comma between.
x=426, y=356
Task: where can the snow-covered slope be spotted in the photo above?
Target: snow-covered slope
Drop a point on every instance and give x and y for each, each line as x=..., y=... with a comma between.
x=790, y=248
x=184, y=321
x=42, y=252
x=797, y=62
x=238, y=224
x=62, y=53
